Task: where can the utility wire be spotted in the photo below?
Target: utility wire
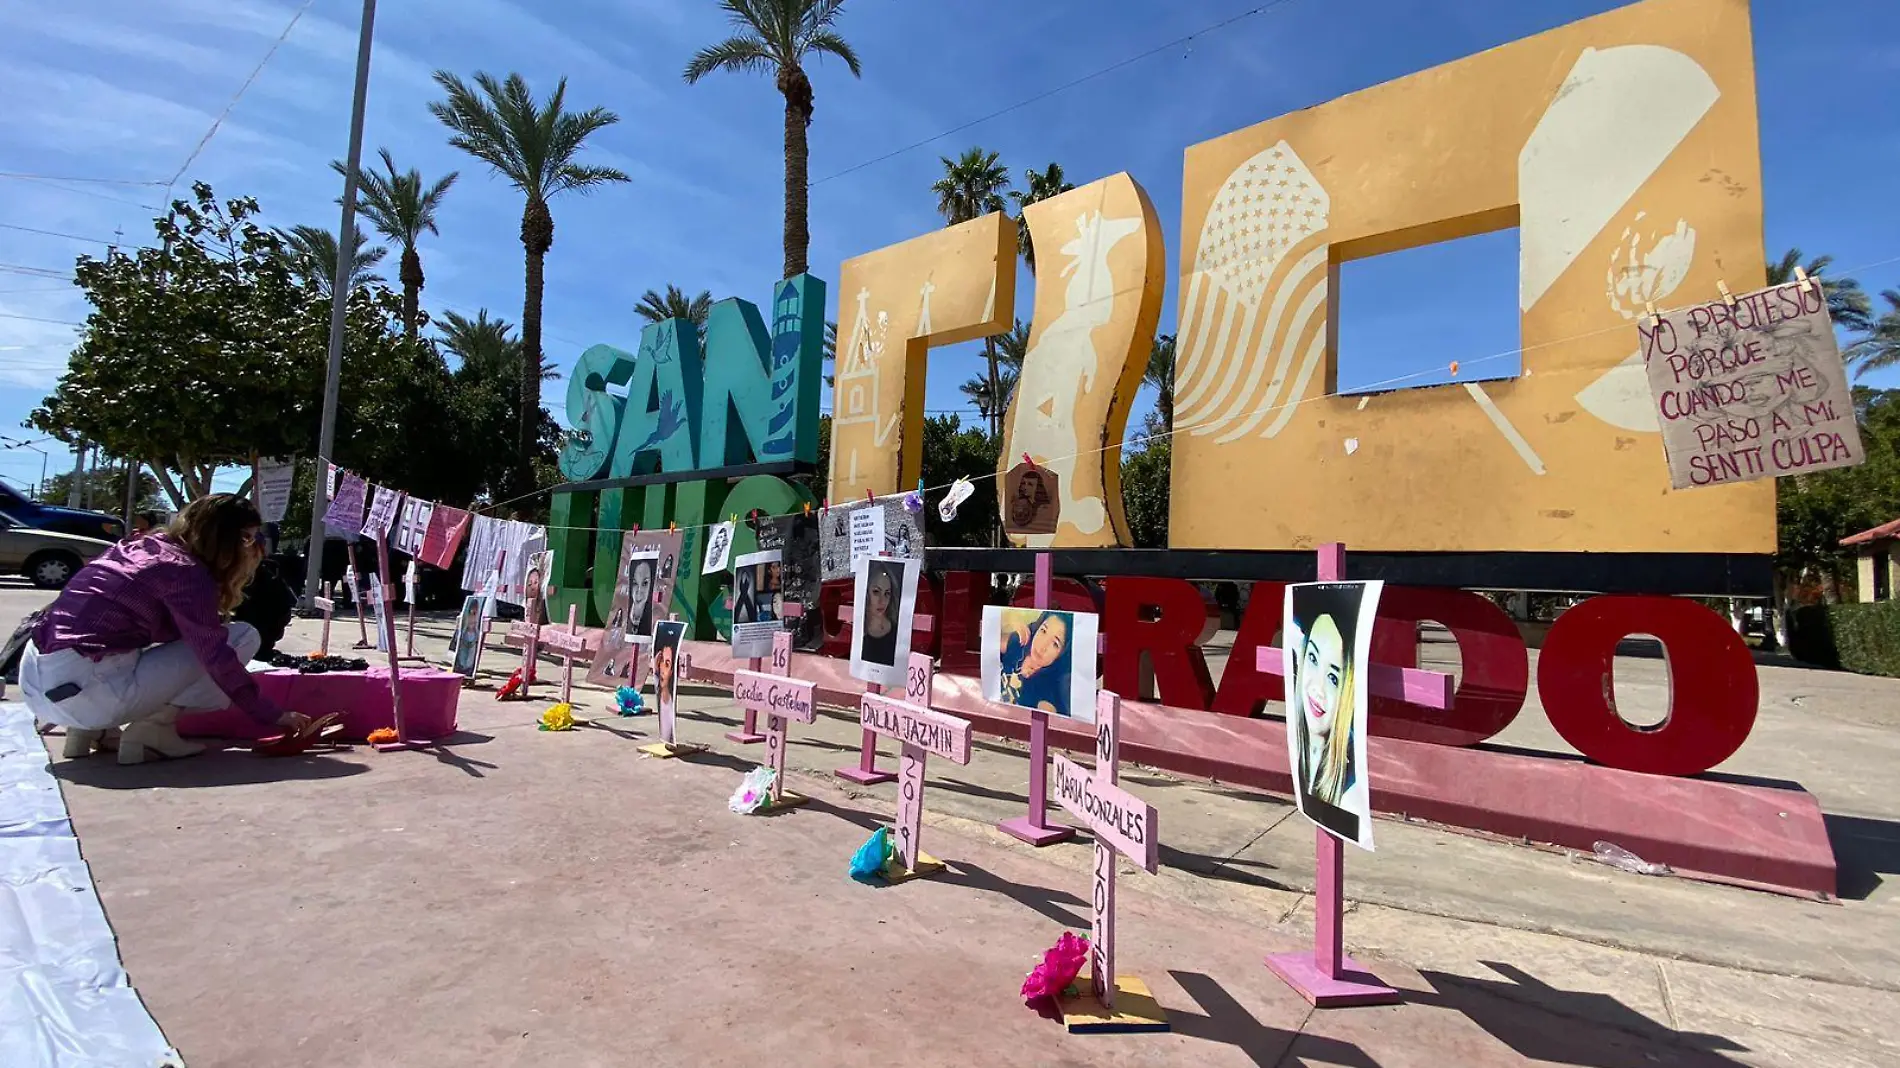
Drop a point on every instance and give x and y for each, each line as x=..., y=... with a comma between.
x=22, y=176
x=1063, y=88
x=37, y=319
x=239, y=95
x=56, y=233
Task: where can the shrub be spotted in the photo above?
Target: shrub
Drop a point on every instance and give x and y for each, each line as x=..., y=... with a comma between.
x=1863, y=638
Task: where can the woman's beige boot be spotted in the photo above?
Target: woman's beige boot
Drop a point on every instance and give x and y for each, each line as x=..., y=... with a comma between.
x=81, y=743
x=157, y=733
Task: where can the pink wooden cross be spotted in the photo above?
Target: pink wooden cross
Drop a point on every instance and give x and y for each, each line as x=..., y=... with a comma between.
x=326, y=606
x=867, y=773
x=567, y=643
x=779, y=699
x=387, y=623
x=920, y=731
x=1326, y=976
x=1123, y=826
x=409, y=582
x=356, y=596
x=1033, y=826
x=530, y=635
x=749, y=734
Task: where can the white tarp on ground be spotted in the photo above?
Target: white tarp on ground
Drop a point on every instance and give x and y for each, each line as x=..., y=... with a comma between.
x=65, y=1001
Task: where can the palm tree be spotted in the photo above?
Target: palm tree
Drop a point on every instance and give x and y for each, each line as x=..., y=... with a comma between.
x=400, y=209
x=1010, y=350
x=1160, y=375
x=486, y=347
x=314, y=251
x=972, y=186
x=1880, y=349
x=831, y=348
x=1847, y=303
x=774, y=38
x=656, y=308
x=1041, y=185
x=533, y=146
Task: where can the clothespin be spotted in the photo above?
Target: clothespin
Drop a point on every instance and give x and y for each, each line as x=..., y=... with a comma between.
x=807, y=507
x=824, y=507
x=669, y=526
x=1655, y=319
x=868, y=499
x=1801, y=276
x=636, y=528
x=1454, y=368
x=1727, y=297
x=1027, y=460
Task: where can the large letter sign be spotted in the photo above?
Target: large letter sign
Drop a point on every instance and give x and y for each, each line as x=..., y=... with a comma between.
x=746, y=393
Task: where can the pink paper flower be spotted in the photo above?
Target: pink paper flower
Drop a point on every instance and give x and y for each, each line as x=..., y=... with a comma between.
x=1061, y=963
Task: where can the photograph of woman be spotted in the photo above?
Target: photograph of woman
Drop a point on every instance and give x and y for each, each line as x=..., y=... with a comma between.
x=468, y=633
x=1327, y=634
x=1040, y=659
x=886, y=597
x=640, y=571
x=666, y=683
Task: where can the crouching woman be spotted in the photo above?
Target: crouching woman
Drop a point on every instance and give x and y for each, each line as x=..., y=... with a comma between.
x=140, y=634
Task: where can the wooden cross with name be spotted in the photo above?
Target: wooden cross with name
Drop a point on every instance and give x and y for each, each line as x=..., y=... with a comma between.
x=567, y=643
x=326, y=606
x=919, y=731
x=530, y=635
x=1123, y=826
x=867, y=773
x=780, y=699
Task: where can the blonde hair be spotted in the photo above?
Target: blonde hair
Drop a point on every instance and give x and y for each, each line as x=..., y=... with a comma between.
x=210, y=528
x=1336, y=763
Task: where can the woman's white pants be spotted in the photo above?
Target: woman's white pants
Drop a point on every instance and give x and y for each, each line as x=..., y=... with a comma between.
x=124, y=687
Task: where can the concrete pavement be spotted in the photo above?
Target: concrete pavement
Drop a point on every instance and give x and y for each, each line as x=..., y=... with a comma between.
x=1506, y=952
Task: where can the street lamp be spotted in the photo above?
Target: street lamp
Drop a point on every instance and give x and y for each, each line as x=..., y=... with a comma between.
x=39, y=491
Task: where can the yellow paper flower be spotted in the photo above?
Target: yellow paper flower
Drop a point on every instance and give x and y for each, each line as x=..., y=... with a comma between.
x=558, y=718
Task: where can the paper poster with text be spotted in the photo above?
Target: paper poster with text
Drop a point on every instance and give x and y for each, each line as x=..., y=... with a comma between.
x=1751, y=390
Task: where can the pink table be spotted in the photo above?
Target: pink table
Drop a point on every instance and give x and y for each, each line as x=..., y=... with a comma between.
x=428, y=703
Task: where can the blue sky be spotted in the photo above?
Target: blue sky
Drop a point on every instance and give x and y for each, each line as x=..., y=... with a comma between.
x=126, y=88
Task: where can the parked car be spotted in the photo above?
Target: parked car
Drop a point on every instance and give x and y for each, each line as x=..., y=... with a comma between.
x=47, y=558
x=76, y=521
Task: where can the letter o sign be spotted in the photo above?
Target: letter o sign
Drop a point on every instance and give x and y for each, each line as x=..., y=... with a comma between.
x=1713, y=693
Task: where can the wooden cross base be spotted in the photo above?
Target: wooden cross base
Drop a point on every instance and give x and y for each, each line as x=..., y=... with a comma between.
x=668, y=750
x=745, y=737
x=1353, y=986
x=398, y=746
x=786, y=799
x=1136, y=1011
x=895, y=872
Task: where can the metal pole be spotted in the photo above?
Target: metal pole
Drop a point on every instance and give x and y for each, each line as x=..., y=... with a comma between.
x=132, y=468
x=339, y=308
x=79, y=475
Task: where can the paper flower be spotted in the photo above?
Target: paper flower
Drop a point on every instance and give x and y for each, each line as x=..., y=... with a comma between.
x=558, y=718
x=508, y=688
x=384, y=736
x=914, y=503
x=754, y=792
x=1061, y=963
x=867, y=864
x=628, y=702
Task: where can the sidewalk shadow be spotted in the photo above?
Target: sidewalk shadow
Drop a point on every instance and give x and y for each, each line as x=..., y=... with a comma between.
x=1227, y=1021
x=226, y=767
x=1041, y=899
x=1864, y=850
x=443, y=750
x=1519, y=1012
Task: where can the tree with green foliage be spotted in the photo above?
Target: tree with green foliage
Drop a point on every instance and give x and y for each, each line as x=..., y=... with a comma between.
x=486, y=343
x=1038, y=186
x=312, y=254
x=1145, y=492
x=657, y=307
x=774, y=38
x=952, y=451
x=1847, y=303
x=1010, y=350
x=533, y=145
x=205, y=349
x=1880, y=349
x=1160, y=376
x=1814, y=512
x=104, y=488
x=398, y=206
